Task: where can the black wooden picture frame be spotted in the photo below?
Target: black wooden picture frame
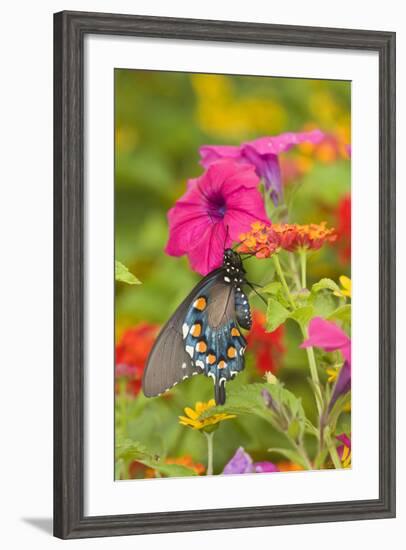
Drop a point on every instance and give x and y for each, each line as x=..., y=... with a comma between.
x=70, y=29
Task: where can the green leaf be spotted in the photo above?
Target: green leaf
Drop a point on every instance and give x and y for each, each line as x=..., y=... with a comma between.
x=172, y=470
x=128, y=450
x=323, y=303
x=124, y=275
x=302, y=315
x=291, y=455
x=294, y=429
x=325, y=284
x=342, y=313
x=272, y=288
x=248, y=399
x=276, y=315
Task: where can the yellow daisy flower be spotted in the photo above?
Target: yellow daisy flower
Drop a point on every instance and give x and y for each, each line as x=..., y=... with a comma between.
x=193, y=416
x=345, y=290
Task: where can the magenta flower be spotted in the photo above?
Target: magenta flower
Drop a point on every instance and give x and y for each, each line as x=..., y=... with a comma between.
x=263, y=154
x=242, y=463
x=217, y=207
x=328, y=336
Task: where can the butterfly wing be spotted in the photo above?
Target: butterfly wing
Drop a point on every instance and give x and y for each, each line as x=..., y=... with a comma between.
x=202, y=337
x=168, y=362
x=211, y=334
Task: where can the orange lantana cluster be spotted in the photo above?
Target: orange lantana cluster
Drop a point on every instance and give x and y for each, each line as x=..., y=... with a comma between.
x=264, y=240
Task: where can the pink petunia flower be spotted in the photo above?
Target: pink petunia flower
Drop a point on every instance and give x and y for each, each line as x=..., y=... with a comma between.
x=216, y=208
x=328, y=336
x=263, y=154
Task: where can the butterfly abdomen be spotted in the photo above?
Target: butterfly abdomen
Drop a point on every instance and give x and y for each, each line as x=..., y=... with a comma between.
x=242, y=309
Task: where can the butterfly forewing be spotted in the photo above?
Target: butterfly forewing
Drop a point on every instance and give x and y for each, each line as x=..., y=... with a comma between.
x=168, y=361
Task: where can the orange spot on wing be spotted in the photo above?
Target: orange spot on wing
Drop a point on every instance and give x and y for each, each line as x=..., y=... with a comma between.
x=196, y=330
x=235, y=332
x=211, y=359
x=200, y=303
x=222, y=364
x=201, y=346
x=231, y=352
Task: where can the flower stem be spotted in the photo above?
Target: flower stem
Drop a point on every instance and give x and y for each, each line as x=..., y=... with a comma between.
x=209, y=437
x=295, y=274
x=314, y=374
x=332, y=449
x=283, y=280
x=303, y=261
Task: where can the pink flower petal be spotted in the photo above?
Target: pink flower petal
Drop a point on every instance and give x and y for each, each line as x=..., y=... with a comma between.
x=207, y=252
x=211, y=153
x=328, y=336
x=279, y=144
x=223, y=201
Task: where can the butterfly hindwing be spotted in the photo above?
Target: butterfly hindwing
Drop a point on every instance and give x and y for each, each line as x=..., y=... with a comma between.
x=211, y=334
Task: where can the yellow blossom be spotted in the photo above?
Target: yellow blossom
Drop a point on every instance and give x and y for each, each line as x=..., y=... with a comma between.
x=332, y=374
x=270, y=378
x=345, y=290
x=193, y=416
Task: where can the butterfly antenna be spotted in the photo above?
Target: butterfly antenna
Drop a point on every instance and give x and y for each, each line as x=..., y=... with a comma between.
x=257, y=293
x=253, y=253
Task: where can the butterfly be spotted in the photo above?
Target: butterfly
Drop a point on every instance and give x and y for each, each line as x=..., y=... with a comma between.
x=204, y=336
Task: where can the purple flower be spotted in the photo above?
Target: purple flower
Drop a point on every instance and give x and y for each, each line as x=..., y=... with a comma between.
x=217, y=207
x=242, y=463
x=342, y=385
x=263, y=154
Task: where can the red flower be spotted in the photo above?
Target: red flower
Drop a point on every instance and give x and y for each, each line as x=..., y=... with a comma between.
x=267, y=346
x=131, y=354
x=344, y=228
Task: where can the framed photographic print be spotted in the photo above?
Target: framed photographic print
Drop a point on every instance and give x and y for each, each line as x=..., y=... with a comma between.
x=224, y=274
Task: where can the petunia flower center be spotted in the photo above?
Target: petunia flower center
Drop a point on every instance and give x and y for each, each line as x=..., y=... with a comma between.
x=216, y=207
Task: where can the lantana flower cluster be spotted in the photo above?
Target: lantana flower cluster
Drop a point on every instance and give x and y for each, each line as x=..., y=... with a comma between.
x=264, y=240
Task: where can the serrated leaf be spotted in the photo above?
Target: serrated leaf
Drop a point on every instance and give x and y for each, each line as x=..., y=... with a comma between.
x=124, y=275
x=325, y=284
x=276, y=315
x=302, y=315
x=291, y=455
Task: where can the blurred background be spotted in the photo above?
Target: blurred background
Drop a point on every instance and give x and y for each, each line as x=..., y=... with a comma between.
x=161, y=120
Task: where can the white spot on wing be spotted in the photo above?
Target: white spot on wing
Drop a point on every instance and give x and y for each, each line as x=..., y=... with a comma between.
x=184, y=365
x=190, y=350
x=227, y=279
x=185, y=330
x=200, y=364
